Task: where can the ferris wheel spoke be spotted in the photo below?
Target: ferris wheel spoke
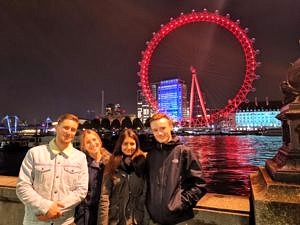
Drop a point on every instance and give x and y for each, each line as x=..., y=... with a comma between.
x=207, y=63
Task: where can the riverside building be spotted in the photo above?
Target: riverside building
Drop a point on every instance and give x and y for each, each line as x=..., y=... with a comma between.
x=258, y=116
x=171, y=96
x=144, y=110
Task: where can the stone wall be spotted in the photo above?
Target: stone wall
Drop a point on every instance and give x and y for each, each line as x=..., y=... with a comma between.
x=11, y=209
x=212, y=209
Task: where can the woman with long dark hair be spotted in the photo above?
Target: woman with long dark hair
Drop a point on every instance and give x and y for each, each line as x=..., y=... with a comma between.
x=122, y=200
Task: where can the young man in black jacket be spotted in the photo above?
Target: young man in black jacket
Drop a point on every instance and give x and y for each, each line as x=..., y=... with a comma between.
x=175, y=182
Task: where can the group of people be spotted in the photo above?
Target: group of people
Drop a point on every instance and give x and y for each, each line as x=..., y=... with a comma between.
x=60, y=185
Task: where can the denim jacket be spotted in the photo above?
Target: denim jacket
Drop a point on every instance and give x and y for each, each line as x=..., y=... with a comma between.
x=46, y=176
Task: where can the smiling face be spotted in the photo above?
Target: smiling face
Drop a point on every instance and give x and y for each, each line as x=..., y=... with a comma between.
x=128, y=146
x=65, y=132
x=162, y=130
x=92, y=144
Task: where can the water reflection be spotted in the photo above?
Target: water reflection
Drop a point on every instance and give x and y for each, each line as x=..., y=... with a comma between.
x=10, y=162
x=227, y=161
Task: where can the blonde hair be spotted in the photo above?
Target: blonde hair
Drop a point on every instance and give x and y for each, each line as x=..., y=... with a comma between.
x=103, y=151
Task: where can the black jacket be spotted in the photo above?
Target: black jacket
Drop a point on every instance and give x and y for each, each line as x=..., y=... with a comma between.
x=123, y=198
x=86, y=211
x=175, y=182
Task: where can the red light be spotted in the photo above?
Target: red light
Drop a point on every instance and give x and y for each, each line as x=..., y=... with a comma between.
x=204, y=16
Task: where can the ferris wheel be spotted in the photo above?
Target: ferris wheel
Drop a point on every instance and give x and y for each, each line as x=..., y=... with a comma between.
x=238, y=33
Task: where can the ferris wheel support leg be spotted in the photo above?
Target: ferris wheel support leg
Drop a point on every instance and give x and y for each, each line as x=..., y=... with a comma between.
x=191, y=101
x=194, y=80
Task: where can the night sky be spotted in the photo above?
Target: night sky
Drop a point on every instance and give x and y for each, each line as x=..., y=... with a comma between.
x=57, y=56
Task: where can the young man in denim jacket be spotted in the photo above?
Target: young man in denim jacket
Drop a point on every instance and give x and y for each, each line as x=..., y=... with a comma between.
x=53, y=178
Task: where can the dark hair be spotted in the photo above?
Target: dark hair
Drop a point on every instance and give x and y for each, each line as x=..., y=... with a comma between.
x=67, y=116
x=116, y=157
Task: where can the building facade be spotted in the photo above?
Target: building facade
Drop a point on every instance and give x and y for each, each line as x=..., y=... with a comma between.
x=256, y=116
x=144, y=110
x=171, y=96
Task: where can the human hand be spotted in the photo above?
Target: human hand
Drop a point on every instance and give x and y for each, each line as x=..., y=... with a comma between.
x=53, y=212
x=42, y=218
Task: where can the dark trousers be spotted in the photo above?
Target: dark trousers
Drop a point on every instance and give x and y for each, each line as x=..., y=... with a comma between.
x=187, y=222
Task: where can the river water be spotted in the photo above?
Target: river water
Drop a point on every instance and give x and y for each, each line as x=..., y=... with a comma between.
x=227, y=161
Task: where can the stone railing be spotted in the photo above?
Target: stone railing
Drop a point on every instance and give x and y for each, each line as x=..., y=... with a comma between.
x=212, y=209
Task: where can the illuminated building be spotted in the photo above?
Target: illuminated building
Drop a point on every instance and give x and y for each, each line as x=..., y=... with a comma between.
x=258, y=115
x=172, y=95
x=144, y=110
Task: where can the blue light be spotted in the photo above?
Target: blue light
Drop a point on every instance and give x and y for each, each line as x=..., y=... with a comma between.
x=257, y=119
x=170, y=98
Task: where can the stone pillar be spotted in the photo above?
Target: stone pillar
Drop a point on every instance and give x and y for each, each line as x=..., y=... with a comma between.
x=285, y=166
x=276, y=187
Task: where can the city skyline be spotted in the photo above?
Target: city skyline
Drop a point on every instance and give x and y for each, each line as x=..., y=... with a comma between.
x=57, y=58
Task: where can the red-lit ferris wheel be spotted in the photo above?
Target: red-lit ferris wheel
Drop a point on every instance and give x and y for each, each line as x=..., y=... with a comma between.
x=200, y=17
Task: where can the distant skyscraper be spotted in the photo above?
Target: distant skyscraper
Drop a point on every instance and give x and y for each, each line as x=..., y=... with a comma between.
x=139, y=102
x=114, y=110
x=172, y=98
x=144, y=111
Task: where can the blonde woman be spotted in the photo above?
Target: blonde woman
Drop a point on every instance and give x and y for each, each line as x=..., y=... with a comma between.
x=97, y=157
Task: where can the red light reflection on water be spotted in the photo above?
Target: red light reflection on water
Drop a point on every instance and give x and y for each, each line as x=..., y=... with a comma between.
x=227, y=161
